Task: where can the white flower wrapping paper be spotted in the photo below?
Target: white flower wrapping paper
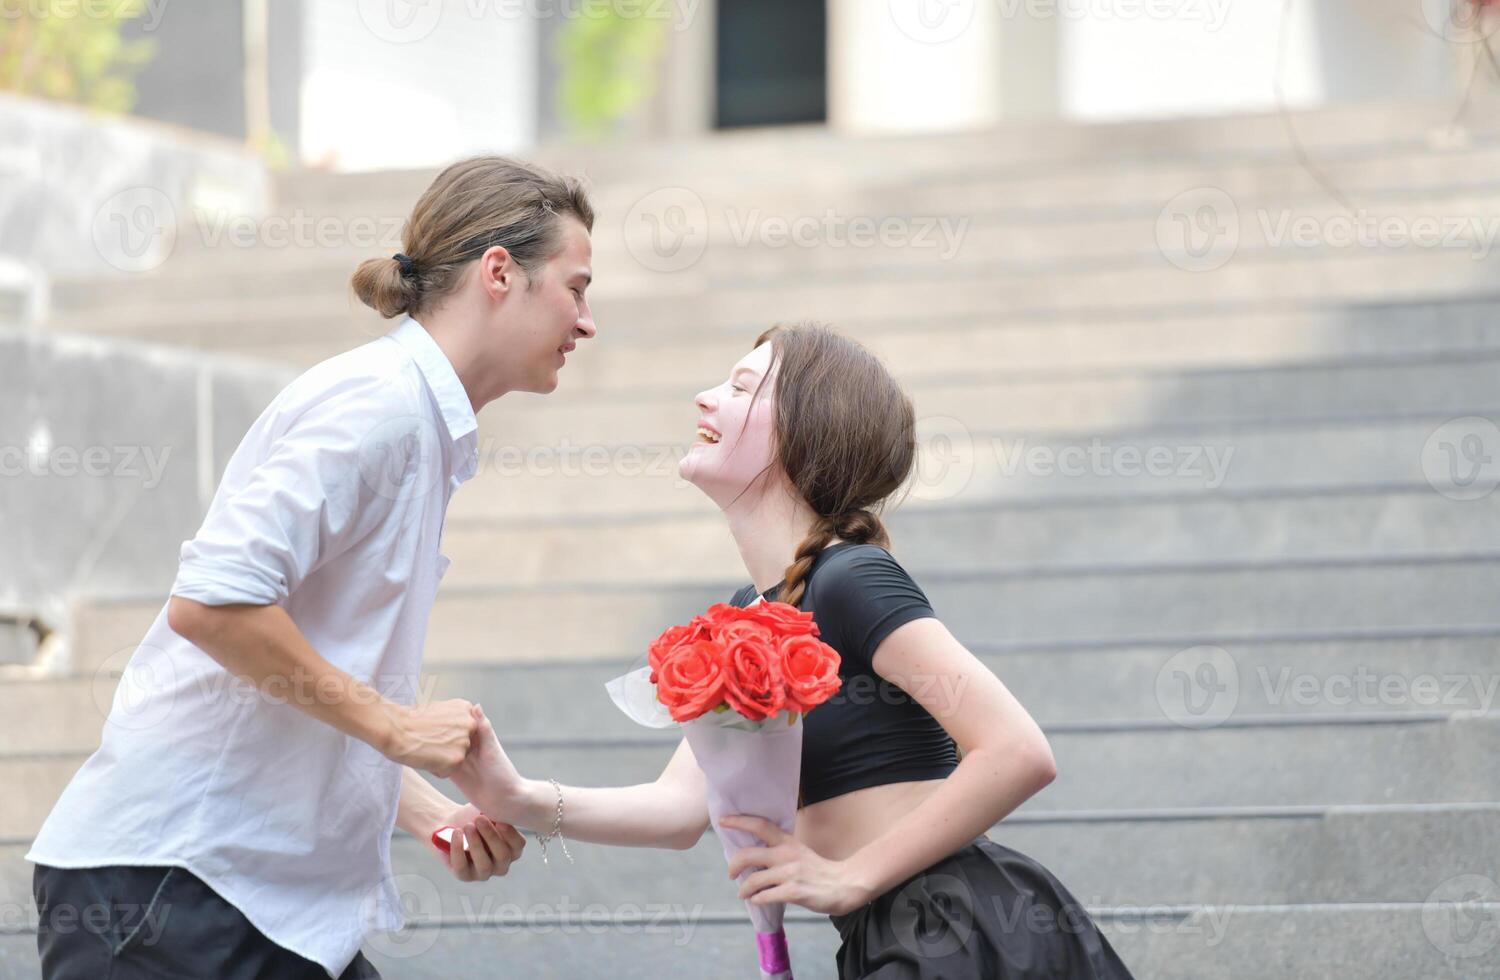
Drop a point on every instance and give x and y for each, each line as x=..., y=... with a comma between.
x=751, y=767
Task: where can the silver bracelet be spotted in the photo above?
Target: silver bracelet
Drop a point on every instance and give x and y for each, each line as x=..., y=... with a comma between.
x=556, y=831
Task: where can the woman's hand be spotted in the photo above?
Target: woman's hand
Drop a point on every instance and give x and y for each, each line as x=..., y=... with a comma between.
x=487, y=777
x=492, y=847
x=793, y=872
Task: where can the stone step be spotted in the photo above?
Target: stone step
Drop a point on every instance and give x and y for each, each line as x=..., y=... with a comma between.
x=1184, y=604
x=958, y=466
x=1372, y=174
x=1104, y=339
x=1389, y=522
x=1106, y=605
x=1043, y=147
x=1387, y=760
x=1205, y=398
x=1245, y=681
x=1368, y=942
x=310, y=252
x=1100, y=341
x=1274, y=857
x=863, y=290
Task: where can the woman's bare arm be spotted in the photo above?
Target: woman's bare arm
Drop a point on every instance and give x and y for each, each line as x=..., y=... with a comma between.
x=671, y=812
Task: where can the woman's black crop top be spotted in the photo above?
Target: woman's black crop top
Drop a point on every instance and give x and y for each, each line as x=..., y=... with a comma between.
x=871, y=732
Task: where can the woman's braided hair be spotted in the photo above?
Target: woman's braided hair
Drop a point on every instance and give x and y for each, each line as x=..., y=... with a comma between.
x=845, y=437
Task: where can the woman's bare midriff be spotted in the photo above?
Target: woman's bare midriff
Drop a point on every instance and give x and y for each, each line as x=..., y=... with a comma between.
x=839, y=827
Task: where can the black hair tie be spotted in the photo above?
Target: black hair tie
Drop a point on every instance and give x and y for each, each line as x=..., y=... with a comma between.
x=408, y=267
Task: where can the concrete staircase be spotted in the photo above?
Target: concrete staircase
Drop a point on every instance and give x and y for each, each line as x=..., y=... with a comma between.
x=1266, y=665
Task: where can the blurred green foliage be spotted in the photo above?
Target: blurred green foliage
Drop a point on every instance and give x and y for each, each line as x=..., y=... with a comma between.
x=609, y=68
x=74, y=52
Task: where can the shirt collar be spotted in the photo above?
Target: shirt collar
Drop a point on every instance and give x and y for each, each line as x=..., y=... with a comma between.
x=447, y=389
x=452, y=399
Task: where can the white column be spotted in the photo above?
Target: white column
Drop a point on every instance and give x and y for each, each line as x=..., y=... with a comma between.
x=913, y=65
x=398, y=83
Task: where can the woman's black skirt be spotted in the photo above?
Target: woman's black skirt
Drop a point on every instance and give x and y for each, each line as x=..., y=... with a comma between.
x=984, y=911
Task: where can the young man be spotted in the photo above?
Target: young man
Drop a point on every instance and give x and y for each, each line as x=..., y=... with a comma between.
x=236, y=819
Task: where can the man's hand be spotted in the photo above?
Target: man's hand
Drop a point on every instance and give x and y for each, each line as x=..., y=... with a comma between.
x=488, y=777
x=492, y=847
x=433, y=737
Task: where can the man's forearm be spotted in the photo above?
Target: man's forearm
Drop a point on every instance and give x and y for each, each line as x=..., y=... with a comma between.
x=263, y=645
x=422, y=807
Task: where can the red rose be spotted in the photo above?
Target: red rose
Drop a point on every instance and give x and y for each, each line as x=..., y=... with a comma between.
x=752, y=683
x=670, y=640
x=691, y=680
x=784, y=619
x=718, y=615
x=745, y=627
x=811, y=670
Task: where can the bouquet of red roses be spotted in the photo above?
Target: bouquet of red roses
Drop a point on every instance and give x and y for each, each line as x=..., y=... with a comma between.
x=737, y=680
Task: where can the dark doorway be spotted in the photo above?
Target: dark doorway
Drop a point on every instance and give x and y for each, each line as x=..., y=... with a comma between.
x=772, y=62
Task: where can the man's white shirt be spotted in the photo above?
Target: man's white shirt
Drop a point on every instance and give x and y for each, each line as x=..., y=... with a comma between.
x=331, y=507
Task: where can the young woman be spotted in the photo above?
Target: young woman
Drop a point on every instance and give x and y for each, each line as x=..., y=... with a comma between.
x=800, y=446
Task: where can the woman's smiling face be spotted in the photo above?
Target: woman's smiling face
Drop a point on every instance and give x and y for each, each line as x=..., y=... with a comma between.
x=736, y=441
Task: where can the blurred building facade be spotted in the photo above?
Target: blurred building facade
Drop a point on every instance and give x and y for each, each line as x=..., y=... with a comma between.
x=371, y=84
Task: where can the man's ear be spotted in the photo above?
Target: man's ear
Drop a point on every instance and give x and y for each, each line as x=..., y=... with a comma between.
x=497, y=270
